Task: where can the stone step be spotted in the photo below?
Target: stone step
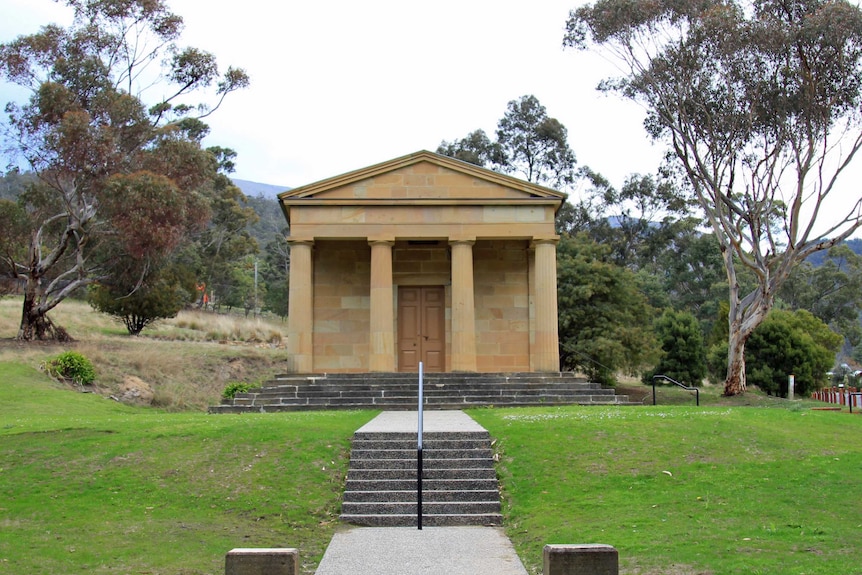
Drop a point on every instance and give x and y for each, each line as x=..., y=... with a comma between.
x=428, y=520
x=250, y=407
x=412, y=389
x=409, y=508
x=428, y=484
x=430, y=494
x=430, y=378
x=450, y=395
x=409, y=474
x=427, y=454
x=427, y=444
x=427, y=464
x=426, y=436
x=450, y=402
x=459, y=485
x=399, y=392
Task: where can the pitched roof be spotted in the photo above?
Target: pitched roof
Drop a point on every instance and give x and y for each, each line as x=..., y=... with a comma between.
x=303, y=194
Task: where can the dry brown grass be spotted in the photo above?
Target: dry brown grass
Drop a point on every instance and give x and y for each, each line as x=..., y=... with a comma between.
x=187, y=360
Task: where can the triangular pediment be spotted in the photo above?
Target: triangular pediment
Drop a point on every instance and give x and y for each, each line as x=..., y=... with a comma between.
x=422, y=177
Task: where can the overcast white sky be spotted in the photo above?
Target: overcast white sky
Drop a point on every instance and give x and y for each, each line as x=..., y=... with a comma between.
x=340, y=84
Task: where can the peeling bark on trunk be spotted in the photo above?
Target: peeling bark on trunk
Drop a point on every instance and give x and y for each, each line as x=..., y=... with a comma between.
x=744, y=318
x=735, y=382
x=35, y=323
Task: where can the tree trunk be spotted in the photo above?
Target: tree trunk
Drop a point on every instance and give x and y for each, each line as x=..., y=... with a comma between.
x=744, y=318
x=735, y=382
x=35, y=323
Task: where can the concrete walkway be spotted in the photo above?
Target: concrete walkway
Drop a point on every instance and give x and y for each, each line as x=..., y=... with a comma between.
x=409, y=551
x=432, y=550
x=432, y=421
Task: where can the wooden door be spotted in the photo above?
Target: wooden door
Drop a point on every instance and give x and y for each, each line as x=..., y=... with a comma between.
x=421, y=328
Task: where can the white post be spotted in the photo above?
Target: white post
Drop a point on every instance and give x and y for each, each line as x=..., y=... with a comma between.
x=791, y=383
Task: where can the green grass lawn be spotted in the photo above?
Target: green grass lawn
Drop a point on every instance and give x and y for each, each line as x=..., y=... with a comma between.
x=685, y=490
x=91, y=486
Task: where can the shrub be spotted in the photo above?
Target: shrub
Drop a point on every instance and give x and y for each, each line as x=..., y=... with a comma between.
x=74, y=366
x=683, y=356
x=716, y=362
x=234, y=387
x=787, y=343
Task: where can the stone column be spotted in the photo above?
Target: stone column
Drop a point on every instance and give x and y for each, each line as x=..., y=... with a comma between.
x=463, y=307
x=546, y=354
x=300, y=318
x=382, y=317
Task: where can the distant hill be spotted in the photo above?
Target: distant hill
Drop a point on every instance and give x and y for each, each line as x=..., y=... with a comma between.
x=255, y=189
x=817, y=258
x=263, y=198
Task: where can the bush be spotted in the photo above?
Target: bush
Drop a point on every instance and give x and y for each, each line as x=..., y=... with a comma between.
x=682, y=345
x=234, y=387
x=787, y=343
x=74, y=366
x=716, y=362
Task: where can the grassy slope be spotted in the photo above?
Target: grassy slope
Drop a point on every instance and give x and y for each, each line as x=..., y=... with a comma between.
x=88, y=485
x=685, y=490
x=187, y=360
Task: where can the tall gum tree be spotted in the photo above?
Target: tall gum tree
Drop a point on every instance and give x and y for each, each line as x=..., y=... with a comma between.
x=760, y=104
x=529, y=144
x=120, y=184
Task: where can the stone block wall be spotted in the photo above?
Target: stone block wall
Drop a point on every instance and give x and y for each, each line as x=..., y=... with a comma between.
x=342, y=303
x=501, y=287
x=342, y=271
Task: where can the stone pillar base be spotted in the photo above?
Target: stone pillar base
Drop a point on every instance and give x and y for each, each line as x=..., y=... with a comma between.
x=586, y=559
x=262, y=562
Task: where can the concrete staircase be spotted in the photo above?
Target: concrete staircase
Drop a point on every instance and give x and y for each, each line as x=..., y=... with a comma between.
x=399, y=391
x=459, y=481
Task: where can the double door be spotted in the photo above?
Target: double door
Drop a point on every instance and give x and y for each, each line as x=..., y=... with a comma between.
x=421, y=328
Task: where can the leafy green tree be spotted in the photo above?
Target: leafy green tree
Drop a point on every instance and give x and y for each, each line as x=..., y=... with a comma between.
x=831, y=291
x=605, y=324
x=160, y=296
x=275, y=274
x=13, y=184
x=693, y=276
x=476, y=148
x=637, y=222
x=791, y=343
x=759, y=102
x=238, y=290
x=683, y=357
x=226, y=240
x=535, y=145
x=529, y=144
x=120, y=183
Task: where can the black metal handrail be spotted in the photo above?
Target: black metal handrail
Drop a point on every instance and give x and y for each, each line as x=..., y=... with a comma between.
x=678, y=384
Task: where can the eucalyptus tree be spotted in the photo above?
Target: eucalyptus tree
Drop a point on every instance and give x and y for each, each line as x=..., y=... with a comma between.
x=120, y=182
x=529, y=144
x=759, y=101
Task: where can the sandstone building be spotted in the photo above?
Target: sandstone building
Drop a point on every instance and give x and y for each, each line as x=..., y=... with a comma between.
x=422, y=258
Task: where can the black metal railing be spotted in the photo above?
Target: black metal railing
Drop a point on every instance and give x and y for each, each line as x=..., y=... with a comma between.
x=676, y=383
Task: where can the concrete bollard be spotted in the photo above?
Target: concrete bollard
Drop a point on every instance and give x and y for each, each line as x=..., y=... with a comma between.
x=262, y=562
x=586, y=559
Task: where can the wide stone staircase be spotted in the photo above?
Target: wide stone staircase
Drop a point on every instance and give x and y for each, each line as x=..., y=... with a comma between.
x=399, y=391
x=459, y=483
